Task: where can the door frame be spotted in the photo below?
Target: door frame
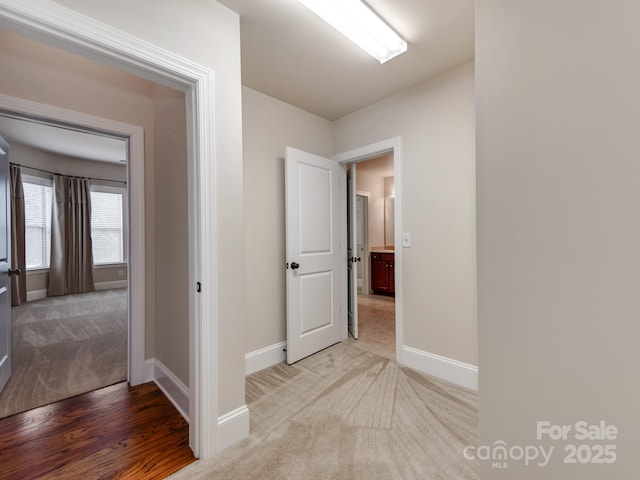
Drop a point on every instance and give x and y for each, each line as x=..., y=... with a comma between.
x=352, y=251
x=6, y=326
x=364, y=153
x=134, y=135
x=61, y=27
x=366, y=283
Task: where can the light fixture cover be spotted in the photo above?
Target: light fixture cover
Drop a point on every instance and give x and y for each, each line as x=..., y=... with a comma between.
x=361, y=25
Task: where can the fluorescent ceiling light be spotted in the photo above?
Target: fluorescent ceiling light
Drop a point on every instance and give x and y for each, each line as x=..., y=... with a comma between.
x=359, y=24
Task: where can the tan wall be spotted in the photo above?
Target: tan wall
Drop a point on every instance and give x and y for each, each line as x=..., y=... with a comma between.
x=37, y=280
x=374, y=185
x=558, y=228
x=269, y=126
x=115, y=273
x=436, y=123
x=171, y=231
x=370, y=178
x=63, y=165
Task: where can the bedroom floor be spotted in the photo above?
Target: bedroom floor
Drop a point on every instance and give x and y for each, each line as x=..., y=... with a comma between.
x=64, y=346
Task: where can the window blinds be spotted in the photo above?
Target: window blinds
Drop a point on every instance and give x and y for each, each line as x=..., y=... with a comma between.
x=106, y=227
x=37, y=208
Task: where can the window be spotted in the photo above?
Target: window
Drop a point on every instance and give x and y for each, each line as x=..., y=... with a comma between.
x=37, y=210
x=107, y=224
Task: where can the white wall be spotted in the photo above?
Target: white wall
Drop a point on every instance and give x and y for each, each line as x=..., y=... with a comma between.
x=559, y=226
x=436, y=123
x=269, y=126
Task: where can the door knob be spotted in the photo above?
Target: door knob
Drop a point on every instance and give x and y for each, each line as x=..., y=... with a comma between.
x=295, y=266
x=14, y=272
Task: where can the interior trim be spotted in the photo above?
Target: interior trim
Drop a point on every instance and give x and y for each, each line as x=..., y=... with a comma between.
x=394, y=146
x=449, y=369
x=233, y=427
x=174, y=389
x=265, y=357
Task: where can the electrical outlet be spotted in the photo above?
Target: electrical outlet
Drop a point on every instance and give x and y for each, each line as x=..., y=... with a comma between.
x=406, y=240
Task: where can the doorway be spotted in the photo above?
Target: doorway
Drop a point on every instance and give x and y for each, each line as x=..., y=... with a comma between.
x=52, y=22
x=374, y=255
x=391, y=146
x=65, y=345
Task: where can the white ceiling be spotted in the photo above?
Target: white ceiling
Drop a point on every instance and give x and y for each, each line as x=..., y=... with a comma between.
x=63, y=141
x=291, y=54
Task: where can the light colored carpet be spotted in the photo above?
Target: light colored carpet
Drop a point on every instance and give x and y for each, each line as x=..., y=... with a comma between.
x=345, y=413
x=65, y=346
x=376, y=325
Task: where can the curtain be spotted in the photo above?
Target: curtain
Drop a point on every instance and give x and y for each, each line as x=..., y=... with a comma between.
x=71, y=262
x=18, y=282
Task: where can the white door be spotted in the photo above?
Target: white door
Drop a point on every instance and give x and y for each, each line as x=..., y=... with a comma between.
x=316, y=267
x=5, y=264
x=353, y=254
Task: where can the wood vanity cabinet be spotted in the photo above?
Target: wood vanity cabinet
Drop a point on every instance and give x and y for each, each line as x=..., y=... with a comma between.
x=382, y=273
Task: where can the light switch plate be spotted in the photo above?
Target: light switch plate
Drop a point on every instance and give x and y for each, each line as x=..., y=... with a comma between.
x=406, y=240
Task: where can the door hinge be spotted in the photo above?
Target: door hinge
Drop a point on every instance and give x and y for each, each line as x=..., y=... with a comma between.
x=198, y=287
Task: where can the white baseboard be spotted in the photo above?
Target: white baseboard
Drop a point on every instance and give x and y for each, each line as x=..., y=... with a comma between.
x=460, y=373
x=40, y=294
x=110, y=285
x=264, y=358
x=232, y=427
x=147, y=375
x=176, y=391
x=36, y=295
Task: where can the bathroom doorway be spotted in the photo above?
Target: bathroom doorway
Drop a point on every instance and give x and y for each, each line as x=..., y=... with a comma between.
x=375, y=250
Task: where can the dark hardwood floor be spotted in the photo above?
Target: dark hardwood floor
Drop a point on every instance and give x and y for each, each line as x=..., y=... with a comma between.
x=116, y=432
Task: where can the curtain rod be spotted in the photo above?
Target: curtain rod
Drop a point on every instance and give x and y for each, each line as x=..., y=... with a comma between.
x=75, y=176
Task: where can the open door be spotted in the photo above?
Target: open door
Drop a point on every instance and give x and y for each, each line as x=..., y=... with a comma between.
x=353, y=253
x=316, y=268
x=5, y=267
